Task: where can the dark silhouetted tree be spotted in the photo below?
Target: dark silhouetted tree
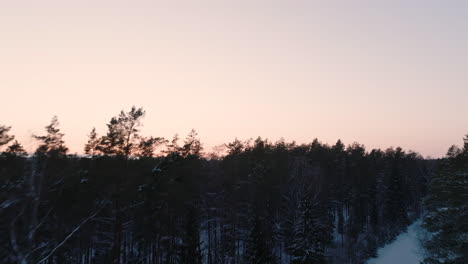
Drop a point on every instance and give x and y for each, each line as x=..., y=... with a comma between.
x=447, y=216
x=52, y=143
x=312, y=232
x=122, y=136
x=257, y=250
x=174, y=145
x=148, y=145
x=92, y=146
x=236, y=147
x=192, y=145
x=16, y=149
x=5, y=138
x=191, y=246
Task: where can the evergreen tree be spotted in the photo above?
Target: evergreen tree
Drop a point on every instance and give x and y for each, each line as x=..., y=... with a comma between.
x=447, y=217
x=191, y=246
x=257, y=251
x=174, y=145
x=373, y=208
x=192, y=145
x=148, y=145
x=395, y=206
x=312, y=232
x=129, y=123
x=5, y=138
x=52, y=143
x=122, y=133
x=338, y=147
x=235, y=147
x=16, y=149
x=111, y=142
x=92, y=146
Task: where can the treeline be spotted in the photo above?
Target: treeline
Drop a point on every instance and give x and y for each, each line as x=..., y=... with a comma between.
x=262, y=202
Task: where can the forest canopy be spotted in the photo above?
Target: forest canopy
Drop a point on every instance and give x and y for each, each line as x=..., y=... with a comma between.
x=146, y=199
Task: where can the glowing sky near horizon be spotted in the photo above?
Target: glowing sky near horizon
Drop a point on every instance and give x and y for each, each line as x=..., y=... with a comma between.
x=383, y=73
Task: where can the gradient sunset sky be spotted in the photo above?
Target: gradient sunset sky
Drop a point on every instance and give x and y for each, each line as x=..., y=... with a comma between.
x=383, y=73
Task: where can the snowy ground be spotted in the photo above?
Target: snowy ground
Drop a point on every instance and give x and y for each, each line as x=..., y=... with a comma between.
x=405, y=249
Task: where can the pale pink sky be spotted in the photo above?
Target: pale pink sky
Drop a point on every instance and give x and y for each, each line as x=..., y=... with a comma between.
x=383, y=74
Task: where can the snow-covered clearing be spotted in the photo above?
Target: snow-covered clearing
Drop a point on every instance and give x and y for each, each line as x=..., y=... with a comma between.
x=405, y=249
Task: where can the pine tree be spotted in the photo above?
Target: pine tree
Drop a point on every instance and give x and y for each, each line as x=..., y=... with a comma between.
x=312, y=232
x=5, y=138
x=52, y=143
x=192, y=145
x=147, y=146
x=16, y=149
x=109, y=144
x=447, y=217
x=235, y=147
x=173, y=147
x=92, y=146
x=191, y=246
x=395, y=206
x=122, y=136
x=257, y=251
x=129, y=123
x=373, y=209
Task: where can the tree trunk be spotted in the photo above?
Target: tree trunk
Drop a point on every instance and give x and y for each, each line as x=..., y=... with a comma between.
x=116, y=251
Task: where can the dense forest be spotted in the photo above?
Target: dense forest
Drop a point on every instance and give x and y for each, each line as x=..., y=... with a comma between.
x=447, y=209
x=142, y=199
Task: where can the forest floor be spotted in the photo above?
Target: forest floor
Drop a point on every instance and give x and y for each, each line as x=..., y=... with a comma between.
x=405, y=249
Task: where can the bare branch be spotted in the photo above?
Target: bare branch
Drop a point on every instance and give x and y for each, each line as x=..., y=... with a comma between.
x=70, y=235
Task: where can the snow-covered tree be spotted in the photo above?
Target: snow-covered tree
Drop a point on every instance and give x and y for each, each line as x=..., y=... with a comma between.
x=312, y=232
x=447, y=206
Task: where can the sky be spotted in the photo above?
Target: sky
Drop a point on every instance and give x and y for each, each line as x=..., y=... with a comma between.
x=382, y=73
